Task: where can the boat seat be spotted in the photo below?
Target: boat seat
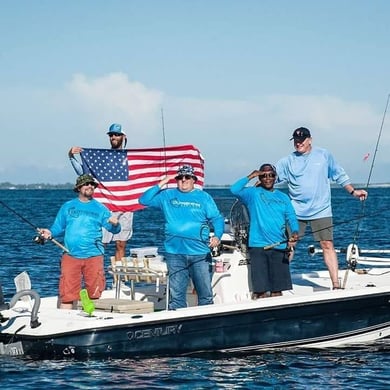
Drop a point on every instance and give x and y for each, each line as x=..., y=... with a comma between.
x=123, y=306
x=114, y=305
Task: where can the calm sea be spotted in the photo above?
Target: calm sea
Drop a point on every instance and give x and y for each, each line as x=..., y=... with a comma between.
x=353, y=368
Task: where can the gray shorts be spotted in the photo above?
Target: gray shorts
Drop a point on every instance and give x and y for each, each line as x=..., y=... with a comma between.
x=126, y=222
x=321, y=228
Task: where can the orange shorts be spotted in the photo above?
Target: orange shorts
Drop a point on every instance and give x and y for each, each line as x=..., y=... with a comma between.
x=75, y=271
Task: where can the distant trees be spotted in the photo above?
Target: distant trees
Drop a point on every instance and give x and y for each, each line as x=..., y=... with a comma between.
x=36, y=186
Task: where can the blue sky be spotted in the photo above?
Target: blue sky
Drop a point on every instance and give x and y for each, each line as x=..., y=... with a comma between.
x=233, y=78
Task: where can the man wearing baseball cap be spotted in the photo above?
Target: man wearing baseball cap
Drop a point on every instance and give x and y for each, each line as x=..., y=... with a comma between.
x=118, y=140
x=272, y=220
x=308, y=172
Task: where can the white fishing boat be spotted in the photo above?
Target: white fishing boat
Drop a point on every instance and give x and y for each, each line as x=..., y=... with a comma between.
x=131, y=319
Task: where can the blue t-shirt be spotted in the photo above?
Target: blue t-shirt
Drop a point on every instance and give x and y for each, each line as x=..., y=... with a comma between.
x=270, y=212
x=308, y=178
x=188, y=216
x=81, y=225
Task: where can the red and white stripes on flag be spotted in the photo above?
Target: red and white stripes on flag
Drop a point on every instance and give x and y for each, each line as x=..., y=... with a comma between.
x=124, y=175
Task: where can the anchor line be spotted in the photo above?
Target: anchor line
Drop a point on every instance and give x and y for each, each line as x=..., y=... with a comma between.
x=36, y=228
x=357, y=231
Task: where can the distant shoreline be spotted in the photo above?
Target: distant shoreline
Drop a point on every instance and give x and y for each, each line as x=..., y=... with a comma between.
x=69, y=186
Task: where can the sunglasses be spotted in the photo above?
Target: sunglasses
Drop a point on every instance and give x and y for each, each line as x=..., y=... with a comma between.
x=264, y=175
x=90, y=183
x=181, y=177
x=115, y=135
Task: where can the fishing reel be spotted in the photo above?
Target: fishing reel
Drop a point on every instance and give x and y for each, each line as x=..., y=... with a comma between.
x=39, y=240
x=352, y=256
x=216, y=251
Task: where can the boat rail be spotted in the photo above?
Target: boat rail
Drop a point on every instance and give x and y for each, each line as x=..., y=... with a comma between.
x=137, y=270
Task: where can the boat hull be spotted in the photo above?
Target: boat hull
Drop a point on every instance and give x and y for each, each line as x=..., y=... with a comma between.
x=252, y=326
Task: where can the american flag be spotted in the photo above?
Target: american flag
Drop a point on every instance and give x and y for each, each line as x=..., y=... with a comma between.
x=124, y=175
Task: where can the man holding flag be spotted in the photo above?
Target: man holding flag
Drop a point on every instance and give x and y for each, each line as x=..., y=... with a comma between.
x=118, y=142
x=125, y=174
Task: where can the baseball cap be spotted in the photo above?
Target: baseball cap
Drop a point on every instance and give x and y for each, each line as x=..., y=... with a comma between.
x=301, y=134
x=116, y=128
x=267, y=165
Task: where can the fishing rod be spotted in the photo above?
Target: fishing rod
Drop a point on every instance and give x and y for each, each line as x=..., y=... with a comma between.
x=372, y=163
x=326, y=227
x=377, y=141
x=202, y=238
x=38, y=239
x=356, y=235
x=368, y=182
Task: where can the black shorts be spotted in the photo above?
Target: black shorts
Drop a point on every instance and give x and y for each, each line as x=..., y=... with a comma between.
x=270, y=270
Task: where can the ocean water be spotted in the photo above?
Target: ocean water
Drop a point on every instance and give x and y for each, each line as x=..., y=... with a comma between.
x=363, y=367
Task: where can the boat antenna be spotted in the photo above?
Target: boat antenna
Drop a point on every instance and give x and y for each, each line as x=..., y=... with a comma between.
x=37, y=239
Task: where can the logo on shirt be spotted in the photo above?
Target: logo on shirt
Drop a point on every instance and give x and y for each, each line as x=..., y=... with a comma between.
x=178, y=203
x=75, y=213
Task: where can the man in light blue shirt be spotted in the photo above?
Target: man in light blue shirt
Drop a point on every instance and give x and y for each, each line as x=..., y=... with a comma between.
x=308, y=172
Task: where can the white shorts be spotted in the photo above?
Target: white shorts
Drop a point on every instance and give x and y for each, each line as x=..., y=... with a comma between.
x=126, y=221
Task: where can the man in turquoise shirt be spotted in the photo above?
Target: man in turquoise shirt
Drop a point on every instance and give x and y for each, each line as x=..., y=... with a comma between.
x=80, y=221
x=188, y=213
x=271, y=215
